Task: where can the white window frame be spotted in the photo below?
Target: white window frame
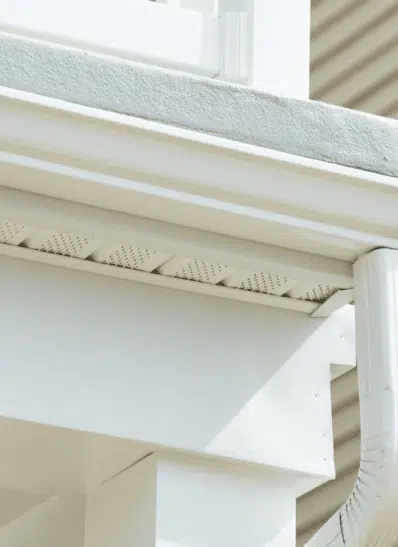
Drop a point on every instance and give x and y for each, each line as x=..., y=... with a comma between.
x=260, y=43
x=140, y=30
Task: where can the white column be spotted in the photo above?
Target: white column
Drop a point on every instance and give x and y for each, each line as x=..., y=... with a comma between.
x=187, y=502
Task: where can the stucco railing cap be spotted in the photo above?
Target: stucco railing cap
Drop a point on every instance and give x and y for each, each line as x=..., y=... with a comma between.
x=304, y=128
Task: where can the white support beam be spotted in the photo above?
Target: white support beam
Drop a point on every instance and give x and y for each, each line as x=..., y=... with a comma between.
x=36, y=461
x=186, y=502
x=136, y=361
x=122, y=511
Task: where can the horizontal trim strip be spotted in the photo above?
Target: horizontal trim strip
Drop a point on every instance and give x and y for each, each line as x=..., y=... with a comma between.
x=159, y=280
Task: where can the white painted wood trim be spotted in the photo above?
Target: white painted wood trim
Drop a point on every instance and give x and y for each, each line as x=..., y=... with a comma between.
x=336, y=301
x=174, y=500
x=132, y=29
x=194, y=191
x=158, y=280
x=186, y=208
x=45, y=213
x=279, y=47
x=266, y=44
x=234, y=47
x=369, y=516
x=31, y=104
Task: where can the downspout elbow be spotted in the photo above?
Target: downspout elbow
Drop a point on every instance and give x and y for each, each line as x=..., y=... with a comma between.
x=370, y=515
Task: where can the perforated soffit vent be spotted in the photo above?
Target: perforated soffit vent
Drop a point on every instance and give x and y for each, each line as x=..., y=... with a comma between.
x=159, y=263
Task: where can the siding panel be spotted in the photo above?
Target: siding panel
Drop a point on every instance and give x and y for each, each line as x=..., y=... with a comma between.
x=354, y=56
x=317, y=506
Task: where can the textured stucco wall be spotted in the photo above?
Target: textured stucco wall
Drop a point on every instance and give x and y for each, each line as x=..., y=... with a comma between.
x=305, y=128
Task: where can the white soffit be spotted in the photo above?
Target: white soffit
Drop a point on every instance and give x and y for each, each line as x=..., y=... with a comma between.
x=202, y=271
x=12, y=233
x=128, y=256
x=205, y=230
x=60, y=243
x=260, y=282
x=154, y=266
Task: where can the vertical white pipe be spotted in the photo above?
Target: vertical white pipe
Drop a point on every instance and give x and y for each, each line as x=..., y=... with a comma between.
x=369, y=516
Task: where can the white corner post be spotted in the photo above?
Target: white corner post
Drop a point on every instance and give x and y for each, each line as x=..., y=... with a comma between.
x=266, y=45
x=163, y=502
x=369, y=517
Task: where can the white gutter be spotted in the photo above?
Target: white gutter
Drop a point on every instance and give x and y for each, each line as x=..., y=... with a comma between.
x=369, y=516
x=189, y=178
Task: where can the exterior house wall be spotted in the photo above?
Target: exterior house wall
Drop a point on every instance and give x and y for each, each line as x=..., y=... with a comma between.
x=316, y=507
x=308, y=129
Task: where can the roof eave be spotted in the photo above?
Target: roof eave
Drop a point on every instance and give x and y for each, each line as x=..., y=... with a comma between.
x=176, y=175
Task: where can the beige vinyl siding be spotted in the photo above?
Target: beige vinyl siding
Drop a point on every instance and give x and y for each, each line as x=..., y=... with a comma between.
x=317, y=506
x=354, y=54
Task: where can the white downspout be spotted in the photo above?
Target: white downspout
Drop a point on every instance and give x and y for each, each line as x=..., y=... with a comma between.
x=370, y=515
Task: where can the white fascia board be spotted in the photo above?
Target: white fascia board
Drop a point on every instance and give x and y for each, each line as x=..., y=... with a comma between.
x=193, y=179
x=137, y=276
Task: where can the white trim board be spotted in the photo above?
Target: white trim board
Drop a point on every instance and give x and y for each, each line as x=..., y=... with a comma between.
x=77, y=236
x=158, y=280
x=45, y=213
x=196, y=180
x=143, y=31
x=45, y=229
